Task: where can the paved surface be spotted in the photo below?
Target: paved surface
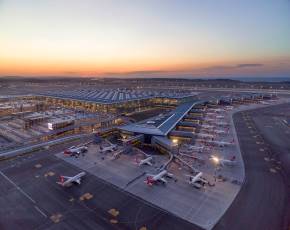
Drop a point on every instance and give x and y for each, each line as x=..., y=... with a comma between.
x=263, y=201
x=202, y=207
x=31, y=199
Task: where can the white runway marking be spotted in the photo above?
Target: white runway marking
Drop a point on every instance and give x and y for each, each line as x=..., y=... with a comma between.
x=17, y=187
x=41, y=212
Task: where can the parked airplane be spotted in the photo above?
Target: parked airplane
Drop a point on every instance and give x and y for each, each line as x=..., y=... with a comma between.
x=67, y=181
x=205, y=135
x=210, y=114
x=229, y=107
x=207, y=126
x=217, y=110
x=195, y=148
x=223, y=162
x=110, y=148
x=220, y=143
x=153, y=179
x=220, y=131
x=265, y=103
x=197, y=181
x=220, y=123
x=146, y=161
x=75, y=151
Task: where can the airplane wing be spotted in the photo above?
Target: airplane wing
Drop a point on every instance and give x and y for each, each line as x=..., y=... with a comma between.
x=78, y=181
x=162, y=180
x=66, y=177
x=150, y=175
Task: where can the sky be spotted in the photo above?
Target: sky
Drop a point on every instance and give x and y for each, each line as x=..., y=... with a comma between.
x=146, y=38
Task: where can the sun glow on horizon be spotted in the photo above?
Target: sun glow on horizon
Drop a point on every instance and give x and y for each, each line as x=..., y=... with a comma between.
x=103, y=37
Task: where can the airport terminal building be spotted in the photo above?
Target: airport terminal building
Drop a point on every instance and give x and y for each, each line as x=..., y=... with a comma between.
x=116, y=100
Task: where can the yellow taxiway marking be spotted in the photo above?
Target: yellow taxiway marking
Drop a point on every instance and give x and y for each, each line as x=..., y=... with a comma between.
x=113, y=221
x=86, y=196
x=38, y=166
x=56, y=217
x=114, y=212
x=49, y=174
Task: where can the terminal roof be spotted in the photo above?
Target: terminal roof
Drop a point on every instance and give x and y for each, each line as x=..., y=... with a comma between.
x=161, y=125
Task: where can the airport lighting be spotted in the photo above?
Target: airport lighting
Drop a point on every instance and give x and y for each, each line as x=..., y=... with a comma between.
x=216, y=159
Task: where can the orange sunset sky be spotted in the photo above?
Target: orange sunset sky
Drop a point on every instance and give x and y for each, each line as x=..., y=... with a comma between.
x=148, y=38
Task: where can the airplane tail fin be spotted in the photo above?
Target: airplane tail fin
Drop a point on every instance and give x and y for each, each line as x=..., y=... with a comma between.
x=149, y=181
x=61, y=181
x=66, y=152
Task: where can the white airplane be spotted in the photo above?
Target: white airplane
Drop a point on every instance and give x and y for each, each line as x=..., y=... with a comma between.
x=217, y=131
x=195, y=148
x=229, y=107
x=204, y=135
x=215, y=115
x=207, y=126
x=110, y=148
x=75, y=151
x=146, y=161
x=209, y=119
x=197, y=181
x=153, y=179
x=265, y=103
x=220, y=123
x=217, y=110
x=220, y=131
x=67, y=181
x=210, y=114
x=223, y=162
x=220, y=143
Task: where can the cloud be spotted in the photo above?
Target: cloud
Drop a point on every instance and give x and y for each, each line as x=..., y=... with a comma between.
x=145, y=72
x=205, y=70
x=71, y=72
x=238, y=66
x=141, y=72
x=249, y=65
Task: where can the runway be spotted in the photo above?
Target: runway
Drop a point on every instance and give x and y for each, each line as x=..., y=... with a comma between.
x=263, y=201
x=31, y=199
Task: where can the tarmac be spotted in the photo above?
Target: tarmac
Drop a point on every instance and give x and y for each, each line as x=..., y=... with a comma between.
x=201, y=207
x=31, y=199
x=263, y=201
